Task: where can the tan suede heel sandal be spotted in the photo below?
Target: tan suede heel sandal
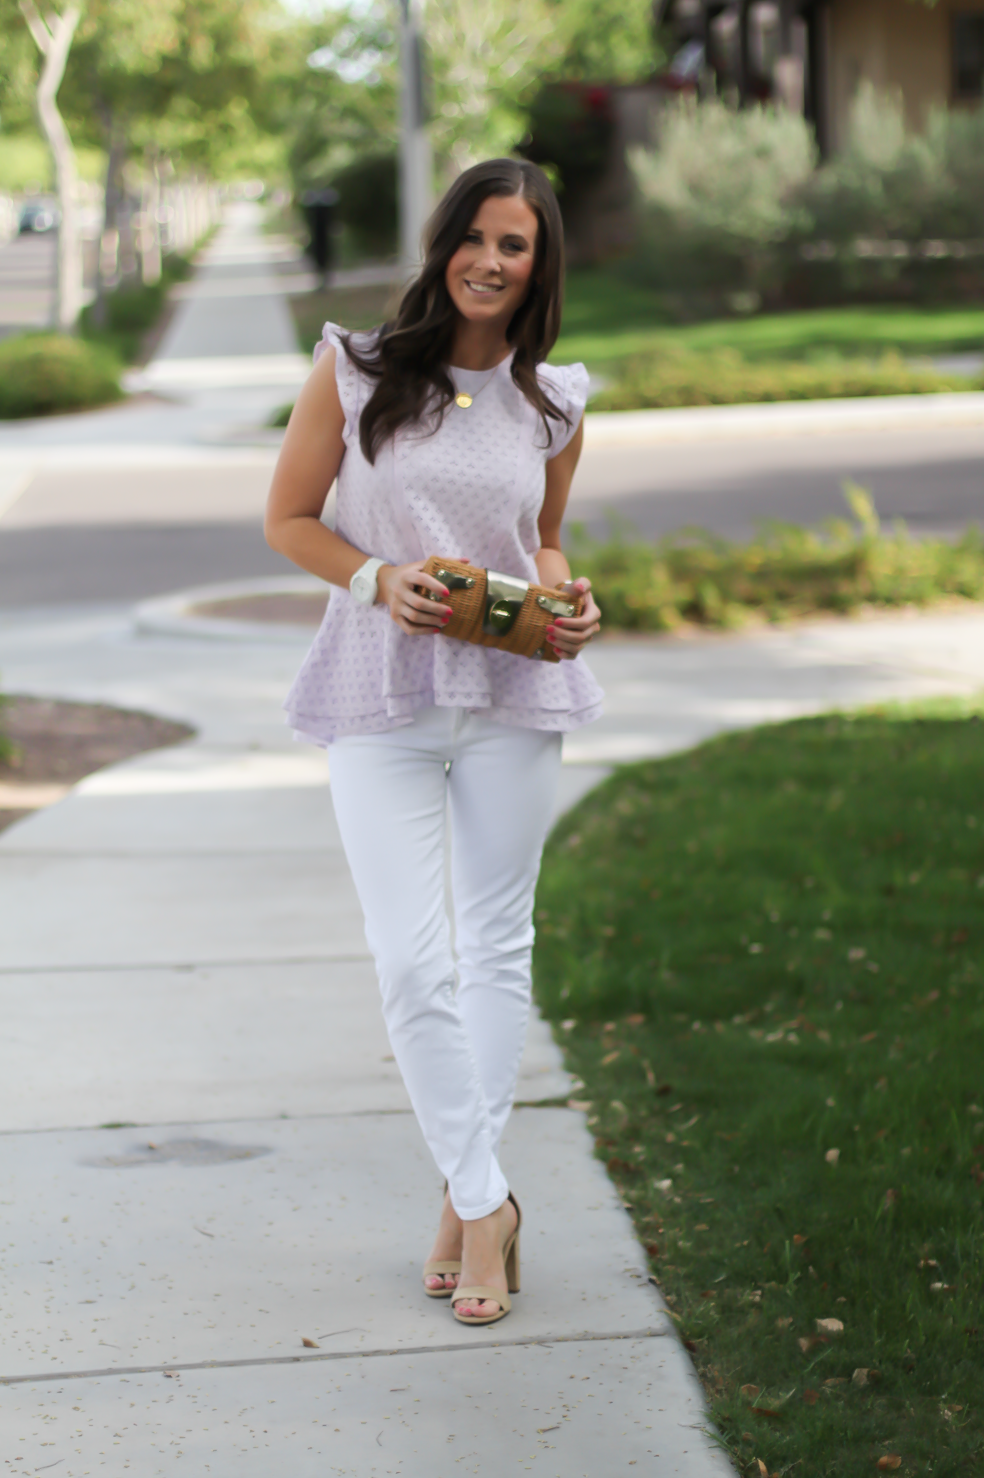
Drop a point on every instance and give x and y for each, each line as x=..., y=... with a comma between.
x=510, y=1257
x=440, y=1270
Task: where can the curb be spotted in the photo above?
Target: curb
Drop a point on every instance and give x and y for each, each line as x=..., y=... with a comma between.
x=782, y=418
x=170, y=615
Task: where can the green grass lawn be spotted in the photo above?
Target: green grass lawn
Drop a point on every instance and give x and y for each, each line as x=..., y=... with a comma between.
x=352, y=307
x=606, y=319
x=764, y=959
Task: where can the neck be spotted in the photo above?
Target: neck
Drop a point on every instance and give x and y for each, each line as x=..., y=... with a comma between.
x=478, y=346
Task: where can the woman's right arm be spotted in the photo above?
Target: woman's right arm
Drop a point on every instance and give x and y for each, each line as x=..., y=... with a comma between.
x=308, y=464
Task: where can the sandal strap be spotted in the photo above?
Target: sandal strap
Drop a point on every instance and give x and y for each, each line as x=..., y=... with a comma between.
x=433, y=1268
x=469, y=1295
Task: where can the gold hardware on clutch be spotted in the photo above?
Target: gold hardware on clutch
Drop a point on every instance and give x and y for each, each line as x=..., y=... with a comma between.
x=456, y=582
x=555, y=607
x=504, y=597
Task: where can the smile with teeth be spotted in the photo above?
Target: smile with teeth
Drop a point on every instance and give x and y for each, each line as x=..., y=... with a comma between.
x=484, y=287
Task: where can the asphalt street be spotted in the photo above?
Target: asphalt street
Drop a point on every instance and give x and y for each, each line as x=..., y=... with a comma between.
x=932, y=478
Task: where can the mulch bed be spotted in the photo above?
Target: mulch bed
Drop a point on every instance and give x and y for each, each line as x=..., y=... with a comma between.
x=60, y=743
x=290, y=608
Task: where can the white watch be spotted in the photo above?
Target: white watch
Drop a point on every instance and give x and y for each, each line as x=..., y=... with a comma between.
x=363, y=583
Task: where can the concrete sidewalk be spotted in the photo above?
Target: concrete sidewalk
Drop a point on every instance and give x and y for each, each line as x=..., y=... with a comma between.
x=183, y=959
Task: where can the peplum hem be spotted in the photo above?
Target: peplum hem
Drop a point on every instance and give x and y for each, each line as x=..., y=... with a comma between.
x=425, y=671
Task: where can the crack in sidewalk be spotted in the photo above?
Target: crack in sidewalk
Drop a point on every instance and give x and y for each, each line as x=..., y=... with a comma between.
x=172, y=1368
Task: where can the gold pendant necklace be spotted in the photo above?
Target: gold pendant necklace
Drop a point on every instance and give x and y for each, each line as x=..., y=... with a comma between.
x=463, y=400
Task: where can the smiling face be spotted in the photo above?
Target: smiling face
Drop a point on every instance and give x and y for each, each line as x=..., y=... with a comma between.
x=489, y=275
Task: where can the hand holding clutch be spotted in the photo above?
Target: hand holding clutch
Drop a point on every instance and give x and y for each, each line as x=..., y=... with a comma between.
x=494, y=610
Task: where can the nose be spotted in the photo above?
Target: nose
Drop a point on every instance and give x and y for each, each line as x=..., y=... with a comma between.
x=488, y=257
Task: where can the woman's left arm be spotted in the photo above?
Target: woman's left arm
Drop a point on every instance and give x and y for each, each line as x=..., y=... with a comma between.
x=569, y=633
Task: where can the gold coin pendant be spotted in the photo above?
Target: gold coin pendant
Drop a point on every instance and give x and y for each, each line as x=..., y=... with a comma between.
x=463, y=400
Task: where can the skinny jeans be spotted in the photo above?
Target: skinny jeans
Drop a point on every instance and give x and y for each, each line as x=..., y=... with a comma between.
x=458, y=1050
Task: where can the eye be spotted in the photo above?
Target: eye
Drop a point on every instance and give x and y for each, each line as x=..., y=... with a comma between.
x=473, y=237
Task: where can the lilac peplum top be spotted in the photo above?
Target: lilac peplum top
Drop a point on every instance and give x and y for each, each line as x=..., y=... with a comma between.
x=472, y=488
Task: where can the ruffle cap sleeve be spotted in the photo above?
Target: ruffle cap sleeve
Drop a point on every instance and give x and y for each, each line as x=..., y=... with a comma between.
x=351, y=384
x=567, y=386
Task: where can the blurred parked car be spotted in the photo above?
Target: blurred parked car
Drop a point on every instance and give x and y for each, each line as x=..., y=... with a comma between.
x=36, y=215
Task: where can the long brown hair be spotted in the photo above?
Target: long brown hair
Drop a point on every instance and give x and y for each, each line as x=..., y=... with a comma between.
x=408, y=357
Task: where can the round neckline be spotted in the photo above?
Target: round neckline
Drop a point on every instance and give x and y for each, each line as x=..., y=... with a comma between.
x=459, y=369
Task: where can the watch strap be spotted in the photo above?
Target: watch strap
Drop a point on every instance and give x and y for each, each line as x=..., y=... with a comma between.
x=366, y=574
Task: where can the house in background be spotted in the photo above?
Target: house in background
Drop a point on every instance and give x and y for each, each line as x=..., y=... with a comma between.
x=811, y=55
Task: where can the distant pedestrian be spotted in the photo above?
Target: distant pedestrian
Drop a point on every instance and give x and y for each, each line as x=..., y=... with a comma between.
x=449, y=436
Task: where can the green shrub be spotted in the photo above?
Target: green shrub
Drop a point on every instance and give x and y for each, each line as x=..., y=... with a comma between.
x=895, y=213
x=42, y=374
x=367, y=203
x=719, y=196
x=788, y=571
x=571, y=126
x=733, y=210
x=674, y=376
x=7, y=747
x=133, y=308
x=279, y=418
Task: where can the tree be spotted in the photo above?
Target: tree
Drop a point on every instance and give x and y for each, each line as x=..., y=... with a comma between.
x=53, y=37
x=485, y=60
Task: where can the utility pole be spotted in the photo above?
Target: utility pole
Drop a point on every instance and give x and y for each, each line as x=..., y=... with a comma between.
x=416, y=183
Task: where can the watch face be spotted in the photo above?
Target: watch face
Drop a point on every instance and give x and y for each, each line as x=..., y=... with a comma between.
x=360, y=588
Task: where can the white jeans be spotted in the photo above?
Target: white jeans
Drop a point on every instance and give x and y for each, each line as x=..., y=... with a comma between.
x=458, y=1051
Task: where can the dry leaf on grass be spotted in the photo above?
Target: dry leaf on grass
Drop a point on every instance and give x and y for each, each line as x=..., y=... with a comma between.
x=309, y=1344
x=798, y=1240
x=784, y=1322
x=635, y=1020
x=829, y=1326
x=889, y=1462
x=832, y=1156
x=610, y=1057
x=750, y=1392
x=836, y=1380
x=890, y=1198
x=808, y=1342
x=811, y=1397
x=860, y=1376
x=763, y=1470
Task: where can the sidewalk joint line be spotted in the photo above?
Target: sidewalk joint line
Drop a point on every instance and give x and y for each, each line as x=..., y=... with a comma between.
x=366, y=1113
x=99, y=968
x=455, y=1349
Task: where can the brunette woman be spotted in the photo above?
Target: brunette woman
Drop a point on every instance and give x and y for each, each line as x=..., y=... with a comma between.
x=449, y=436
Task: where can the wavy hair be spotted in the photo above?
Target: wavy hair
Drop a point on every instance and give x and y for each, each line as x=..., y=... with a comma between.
x=408, y=357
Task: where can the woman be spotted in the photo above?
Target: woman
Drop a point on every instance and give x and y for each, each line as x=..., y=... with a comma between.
x=449, y=436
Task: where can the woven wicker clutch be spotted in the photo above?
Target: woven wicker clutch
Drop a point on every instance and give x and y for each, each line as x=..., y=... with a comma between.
x=493, y=610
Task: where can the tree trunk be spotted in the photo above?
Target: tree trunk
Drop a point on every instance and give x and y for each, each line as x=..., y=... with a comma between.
x=109, y=240
x=150, y=243
x=54, y=39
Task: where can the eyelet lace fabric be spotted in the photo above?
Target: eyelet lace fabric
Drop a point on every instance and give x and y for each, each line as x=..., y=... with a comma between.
x=471, y=488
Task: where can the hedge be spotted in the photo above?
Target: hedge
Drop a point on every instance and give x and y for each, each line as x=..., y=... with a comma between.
x=695, y=578
x=679, y=377
x=43, y=374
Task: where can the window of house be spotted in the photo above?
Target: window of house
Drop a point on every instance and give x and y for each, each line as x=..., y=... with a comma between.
x=968, y=55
